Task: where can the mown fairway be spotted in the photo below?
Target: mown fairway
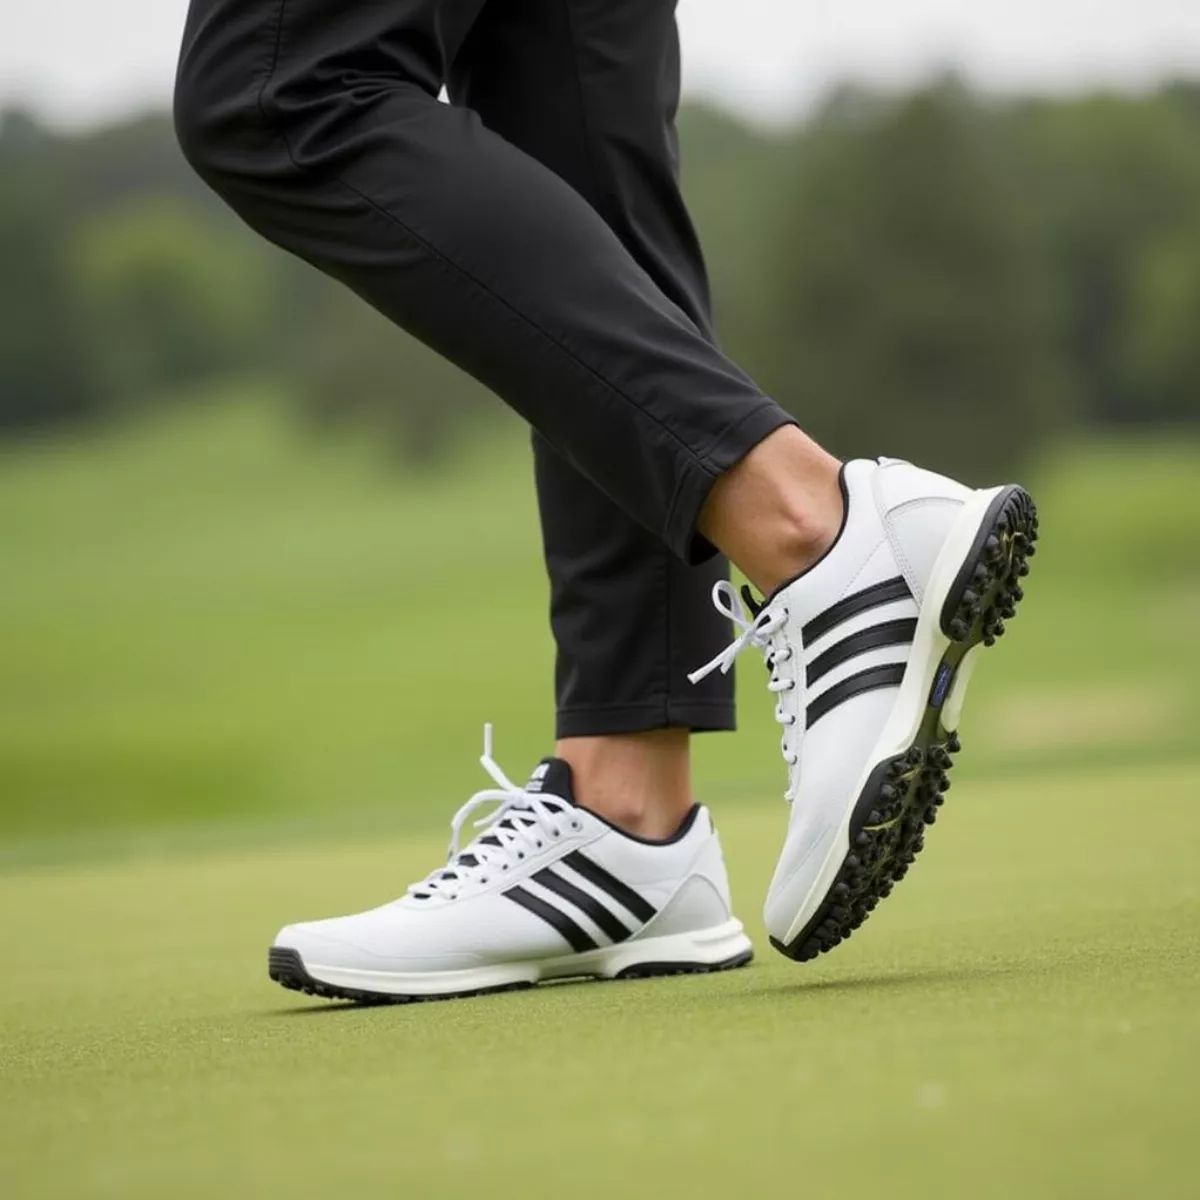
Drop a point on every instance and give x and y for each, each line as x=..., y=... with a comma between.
x=241, y=682
x=1020, y=1019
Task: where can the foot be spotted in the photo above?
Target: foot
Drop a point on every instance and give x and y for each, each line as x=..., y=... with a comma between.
x=870, y=653
x=547, y=890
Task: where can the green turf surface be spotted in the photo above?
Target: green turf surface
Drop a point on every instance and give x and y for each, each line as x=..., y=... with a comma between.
x=242, y=680
x=1019, y=1019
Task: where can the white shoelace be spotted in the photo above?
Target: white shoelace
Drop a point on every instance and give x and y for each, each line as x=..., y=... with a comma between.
x=766, y=632
x=509, y=834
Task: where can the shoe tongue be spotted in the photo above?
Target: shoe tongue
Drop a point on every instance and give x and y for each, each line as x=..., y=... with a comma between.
x=552, y=776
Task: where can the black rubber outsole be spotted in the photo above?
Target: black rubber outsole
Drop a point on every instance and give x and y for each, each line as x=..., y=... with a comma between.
x=286, y=968
x=903, y=793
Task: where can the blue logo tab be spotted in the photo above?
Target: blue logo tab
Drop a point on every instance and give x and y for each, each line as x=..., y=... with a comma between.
x=941, y=685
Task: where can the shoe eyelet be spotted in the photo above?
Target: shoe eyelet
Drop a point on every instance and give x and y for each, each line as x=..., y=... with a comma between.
x=520, y=853
x=556, y=833
x=541, y=845
x=577, y=825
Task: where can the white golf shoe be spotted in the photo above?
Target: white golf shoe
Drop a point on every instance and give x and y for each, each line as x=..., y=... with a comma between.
x=547, y=890
x=870, y=653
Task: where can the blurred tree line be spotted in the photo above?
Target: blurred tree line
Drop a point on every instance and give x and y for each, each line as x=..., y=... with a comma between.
x=898, y=271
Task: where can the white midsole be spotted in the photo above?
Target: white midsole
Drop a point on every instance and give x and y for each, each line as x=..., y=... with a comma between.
x=707, y=947
x=900, y=731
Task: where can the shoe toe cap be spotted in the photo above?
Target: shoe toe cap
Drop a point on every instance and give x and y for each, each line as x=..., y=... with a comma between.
x=326, y=942
x=353, y=943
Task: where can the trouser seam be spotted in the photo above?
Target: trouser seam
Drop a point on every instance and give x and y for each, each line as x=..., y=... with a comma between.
x=598, y=177
x=272, y=67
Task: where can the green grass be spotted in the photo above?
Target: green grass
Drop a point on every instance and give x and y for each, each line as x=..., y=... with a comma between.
x=1020, y=1019
x=242, y=679
x=212, y=616
x=212, y=625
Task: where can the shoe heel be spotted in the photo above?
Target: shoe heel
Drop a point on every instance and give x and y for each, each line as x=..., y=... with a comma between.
x=987, y=589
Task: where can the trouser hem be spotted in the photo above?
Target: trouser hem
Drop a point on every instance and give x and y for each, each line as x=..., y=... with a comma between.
x=605, y=719
x=700, y=476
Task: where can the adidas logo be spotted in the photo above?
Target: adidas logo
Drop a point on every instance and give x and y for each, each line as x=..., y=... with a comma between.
x=897, y=633
x=584, y=889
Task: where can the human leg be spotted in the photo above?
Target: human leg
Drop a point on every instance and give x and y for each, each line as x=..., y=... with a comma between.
x=320, y=125
x=590, y=89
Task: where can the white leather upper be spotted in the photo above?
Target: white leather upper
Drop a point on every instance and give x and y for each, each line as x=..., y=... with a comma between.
x=684, y=880
x=897, y=522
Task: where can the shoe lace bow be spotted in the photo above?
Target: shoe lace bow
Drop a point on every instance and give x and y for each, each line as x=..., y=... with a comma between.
x=516, y=828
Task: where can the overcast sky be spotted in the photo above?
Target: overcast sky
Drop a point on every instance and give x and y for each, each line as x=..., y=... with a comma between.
x=85, y=60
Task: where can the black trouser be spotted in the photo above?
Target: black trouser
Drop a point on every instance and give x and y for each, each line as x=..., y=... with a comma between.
x=533, y=233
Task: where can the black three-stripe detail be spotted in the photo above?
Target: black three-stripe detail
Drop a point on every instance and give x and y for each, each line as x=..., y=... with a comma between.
x=854, y=685
x=578, y=937
x=624, y=895
x=584, y=901
x=890, y=633
x=876, y=595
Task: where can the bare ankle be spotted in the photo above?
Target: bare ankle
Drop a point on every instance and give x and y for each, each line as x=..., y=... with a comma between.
x=808, y=526
x=639, y=782
x=777, y=511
